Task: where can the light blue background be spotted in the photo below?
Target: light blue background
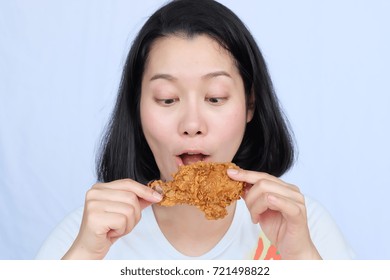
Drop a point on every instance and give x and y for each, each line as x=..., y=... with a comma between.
x=60, y=65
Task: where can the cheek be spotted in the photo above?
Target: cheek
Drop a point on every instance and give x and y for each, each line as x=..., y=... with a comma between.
x=147, y=122
x=232, y=126
x=154, y=127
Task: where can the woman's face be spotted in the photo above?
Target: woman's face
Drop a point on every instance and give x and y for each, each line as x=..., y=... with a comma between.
x=193, y=103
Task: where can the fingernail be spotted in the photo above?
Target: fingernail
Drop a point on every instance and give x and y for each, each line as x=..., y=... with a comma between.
x=158, y=192
x=158, y=189
x=231, y=171
x=157, y=195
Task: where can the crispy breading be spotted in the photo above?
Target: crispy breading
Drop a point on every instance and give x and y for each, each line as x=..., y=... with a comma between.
x=204, y=185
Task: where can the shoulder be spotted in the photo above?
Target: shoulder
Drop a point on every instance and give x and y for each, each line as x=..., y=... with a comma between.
x=62, y=237
x=325, y=233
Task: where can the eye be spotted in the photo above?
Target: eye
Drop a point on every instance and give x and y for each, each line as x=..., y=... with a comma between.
x=216, y=100
x=167, y=101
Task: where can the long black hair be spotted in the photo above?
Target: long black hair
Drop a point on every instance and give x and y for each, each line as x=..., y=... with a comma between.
x=267, y=143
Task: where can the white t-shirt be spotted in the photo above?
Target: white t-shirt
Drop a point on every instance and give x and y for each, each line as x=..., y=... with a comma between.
x=243, y=240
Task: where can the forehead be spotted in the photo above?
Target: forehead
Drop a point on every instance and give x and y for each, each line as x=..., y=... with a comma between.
x=183, y=53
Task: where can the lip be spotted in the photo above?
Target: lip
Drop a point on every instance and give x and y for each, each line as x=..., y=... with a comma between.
x=179, y=161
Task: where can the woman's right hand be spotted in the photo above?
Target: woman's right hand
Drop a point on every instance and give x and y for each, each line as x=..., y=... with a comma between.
x=111, y=211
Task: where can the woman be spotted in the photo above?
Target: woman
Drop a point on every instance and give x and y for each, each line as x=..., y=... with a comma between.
x=195, y=87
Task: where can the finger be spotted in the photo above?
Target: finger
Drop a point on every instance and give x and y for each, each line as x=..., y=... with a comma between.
x=292, y=211
x=252, y=177
x=265, y=186
x=127, y=197
x=112, y=195
x=131, y=212
x=257, y=207
x=98, y=211
x=246, y=190
x=129, y=185
x=115, y=224
x=249, y=176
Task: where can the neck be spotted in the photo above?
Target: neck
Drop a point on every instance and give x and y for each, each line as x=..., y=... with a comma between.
x=187, y=229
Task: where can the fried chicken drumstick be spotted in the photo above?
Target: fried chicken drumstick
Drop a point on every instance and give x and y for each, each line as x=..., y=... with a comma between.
x=204, y=185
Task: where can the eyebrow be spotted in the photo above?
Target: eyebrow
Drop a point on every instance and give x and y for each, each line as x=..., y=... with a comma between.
x=216, y=74
x=164, y=77
x=204, y=77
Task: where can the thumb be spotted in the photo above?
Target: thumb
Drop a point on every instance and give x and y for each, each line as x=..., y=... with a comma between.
x=157, y=196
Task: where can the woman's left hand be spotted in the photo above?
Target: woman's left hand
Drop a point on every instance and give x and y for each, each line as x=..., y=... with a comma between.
x=280, y=210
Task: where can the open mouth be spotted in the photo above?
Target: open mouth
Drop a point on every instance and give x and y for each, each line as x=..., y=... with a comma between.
x=189, y=158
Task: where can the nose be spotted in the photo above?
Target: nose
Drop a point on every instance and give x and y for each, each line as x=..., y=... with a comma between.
x=192, y=121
